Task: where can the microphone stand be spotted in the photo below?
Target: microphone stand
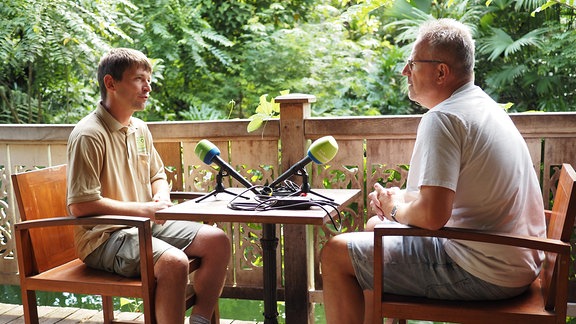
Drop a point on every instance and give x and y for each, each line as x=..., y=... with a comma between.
x=219, y=187
x=305, y=188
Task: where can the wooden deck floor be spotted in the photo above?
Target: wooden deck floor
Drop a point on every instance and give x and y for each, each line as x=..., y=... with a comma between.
x=12, y=314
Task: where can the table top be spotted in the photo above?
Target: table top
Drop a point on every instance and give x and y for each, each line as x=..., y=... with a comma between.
x=215, y=209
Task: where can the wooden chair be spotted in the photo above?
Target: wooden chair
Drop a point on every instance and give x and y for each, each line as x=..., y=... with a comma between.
x=544, y=302
x=47, y=259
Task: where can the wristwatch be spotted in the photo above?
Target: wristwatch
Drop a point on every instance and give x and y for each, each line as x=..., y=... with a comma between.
x=393, y=213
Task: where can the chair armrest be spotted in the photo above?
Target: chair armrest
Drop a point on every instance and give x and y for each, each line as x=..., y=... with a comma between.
x=133, y=221
x=536, y=243
x=143, y=225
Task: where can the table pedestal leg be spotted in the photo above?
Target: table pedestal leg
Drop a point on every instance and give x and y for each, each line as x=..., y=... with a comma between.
x=269, y=243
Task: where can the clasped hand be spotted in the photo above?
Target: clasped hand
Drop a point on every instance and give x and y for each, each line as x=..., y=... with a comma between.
x=382, y=200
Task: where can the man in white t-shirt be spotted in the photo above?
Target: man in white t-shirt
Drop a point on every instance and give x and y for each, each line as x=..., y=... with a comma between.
x=470, y=168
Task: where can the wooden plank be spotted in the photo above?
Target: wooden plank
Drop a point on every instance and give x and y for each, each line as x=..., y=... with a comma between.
x=8, y=307
x=556, y=152
x=390, y=127
x=538, y=125
x=171, y=156
x=81, y=315
x=11, y=314
x=11, y=133
x=223, y=129
x=256, y=160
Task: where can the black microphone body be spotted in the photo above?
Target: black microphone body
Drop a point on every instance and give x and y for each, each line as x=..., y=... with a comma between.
x=231, y=171
x=291, y=171
x=320, y=152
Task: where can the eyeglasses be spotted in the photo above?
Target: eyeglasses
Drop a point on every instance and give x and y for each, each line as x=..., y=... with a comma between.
x=410, y=63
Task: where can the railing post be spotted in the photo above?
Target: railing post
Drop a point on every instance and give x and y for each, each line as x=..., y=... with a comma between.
x=294, y=109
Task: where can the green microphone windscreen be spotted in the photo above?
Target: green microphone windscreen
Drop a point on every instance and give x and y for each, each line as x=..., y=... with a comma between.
x=206, y=151
x=323, y=150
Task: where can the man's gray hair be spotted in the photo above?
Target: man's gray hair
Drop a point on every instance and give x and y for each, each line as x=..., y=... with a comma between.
x=452, y=39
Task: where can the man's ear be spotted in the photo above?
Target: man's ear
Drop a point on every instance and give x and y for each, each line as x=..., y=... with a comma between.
x=109, y=82
x=443, y=71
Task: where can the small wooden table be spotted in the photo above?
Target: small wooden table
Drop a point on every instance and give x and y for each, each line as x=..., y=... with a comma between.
x=215, y=209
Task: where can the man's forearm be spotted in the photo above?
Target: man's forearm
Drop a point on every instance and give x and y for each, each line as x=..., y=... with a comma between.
x=160, y=190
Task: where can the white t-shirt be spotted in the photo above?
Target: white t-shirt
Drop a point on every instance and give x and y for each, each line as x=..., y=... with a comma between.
x=469, y=144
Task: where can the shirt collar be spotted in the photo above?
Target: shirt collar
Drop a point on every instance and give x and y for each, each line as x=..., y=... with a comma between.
x=111, y=122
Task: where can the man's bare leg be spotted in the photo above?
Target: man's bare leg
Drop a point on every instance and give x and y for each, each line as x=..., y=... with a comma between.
x=171, y=271
x=343, y=296
x=212, y=246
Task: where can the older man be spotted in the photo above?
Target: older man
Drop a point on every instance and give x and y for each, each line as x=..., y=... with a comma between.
x=470, y=168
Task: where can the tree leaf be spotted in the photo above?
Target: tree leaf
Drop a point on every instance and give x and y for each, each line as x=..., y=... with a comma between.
x=255, y=123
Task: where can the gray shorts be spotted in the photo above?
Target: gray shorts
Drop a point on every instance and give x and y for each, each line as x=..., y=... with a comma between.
x=419, y=266
x=121, y=253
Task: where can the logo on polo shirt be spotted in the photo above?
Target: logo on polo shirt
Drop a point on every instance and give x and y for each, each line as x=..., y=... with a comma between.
x=141, y=144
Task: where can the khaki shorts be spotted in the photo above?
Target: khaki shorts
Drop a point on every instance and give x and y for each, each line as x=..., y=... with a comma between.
x=121, y=253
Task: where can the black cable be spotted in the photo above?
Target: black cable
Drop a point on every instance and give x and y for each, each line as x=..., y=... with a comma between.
x=269, y=202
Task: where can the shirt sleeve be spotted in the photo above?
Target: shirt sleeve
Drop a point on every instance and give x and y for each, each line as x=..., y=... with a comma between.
x=85, y=156
x=438, y=150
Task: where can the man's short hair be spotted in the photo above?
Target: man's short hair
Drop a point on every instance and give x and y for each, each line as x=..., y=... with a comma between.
x=451, y=39
x=116, y=62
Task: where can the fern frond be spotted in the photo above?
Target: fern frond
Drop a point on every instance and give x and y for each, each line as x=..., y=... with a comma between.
x=506, y=75
x=502, y=43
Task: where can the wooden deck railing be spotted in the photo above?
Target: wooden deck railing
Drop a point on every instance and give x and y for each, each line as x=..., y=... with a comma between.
x=370, y=149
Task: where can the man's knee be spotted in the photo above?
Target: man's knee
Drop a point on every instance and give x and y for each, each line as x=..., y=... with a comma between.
x=210, y=242
x=173, y=261
x=221, y=240
x=332, y=251
x=372, y=221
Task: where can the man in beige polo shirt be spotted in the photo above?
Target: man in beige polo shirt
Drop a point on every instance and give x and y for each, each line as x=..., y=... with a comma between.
x=113, y=168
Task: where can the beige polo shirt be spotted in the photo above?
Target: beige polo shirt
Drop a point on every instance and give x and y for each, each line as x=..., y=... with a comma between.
x=107, y=159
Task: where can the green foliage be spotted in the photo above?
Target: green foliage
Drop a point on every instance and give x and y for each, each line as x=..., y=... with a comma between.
x=48, y=51
x=521, y=59
x=528, y=60
x=187, y=47
x=209, y=55
x=132, y=305
x=500, y=43
x=333, y=58
x=264, y=111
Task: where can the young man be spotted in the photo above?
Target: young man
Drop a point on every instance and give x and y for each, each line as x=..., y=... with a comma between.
x=113, y=168
x=470, y=168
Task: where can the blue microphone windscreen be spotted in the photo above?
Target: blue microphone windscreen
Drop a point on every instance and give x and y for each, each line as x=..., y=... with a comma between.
x=210, y=155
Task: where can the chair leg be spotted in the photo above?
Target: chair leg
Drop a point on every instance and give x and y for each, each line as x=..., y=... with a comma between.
x=108, y=309
x=29, y=306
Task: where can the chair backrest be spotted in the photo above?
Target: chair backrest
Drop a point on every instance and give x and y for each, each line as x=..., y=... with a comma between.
x=560, y=227
x=42, y=194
